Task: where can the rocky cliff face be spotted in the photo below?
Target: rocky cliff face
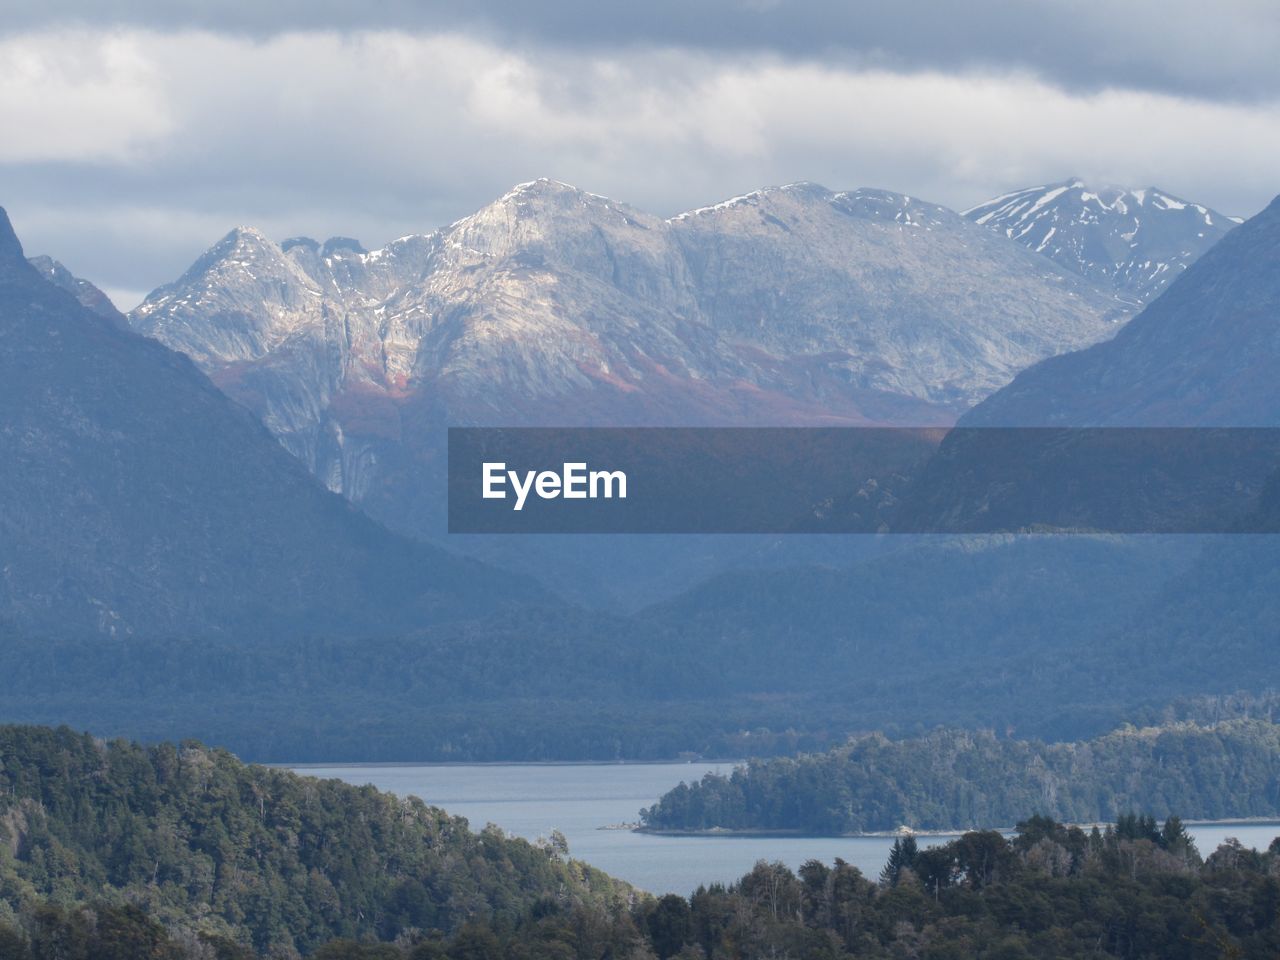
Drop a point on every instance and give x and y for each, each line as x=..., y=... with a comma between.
x=552, y=305
x=900, y=294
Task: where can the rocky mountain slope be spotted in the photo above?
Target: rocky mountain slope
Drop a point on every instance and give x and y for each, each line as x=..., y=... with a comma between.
x=1135, y=241
x=135, y=498
x=789, y=305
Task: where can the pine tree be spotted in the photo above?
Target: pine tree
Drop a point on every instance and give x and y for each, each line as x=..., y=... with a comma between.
x=903, y=854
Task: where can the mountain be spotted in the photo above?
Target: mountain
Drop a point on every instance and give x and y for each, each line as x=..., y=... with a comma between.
x=135, y=498
x=1133, y=241
x=1204, y=353
x=791, y=305
x=920, y=304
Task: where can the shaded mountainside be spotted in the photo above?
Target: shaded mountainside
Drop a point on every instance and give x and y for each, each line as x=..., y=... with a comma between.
x=1135, y=241
x=1202, y=354
x=955, y=780
x=264, y=857
x=136, y=498
x=89, y=296
x=931, y=604
x=1002, y=633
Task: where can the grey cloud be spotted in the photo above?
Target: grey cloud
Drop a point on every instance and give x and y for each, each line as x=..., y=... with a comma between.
x=380, y=135
x=1227, y=49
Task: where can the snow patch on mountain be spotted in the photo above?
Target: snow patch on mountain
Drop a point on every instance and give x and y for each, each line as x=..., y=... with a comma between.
x=1136, y=240
x=791, y=304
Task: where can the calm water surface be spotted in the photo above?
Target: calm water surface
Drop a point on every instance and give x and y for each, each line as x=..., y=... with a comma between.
x=531, y=800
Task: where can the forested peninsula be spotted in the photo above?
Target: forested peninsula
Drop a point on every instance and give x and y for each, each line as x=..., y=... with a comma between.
x=956, y=780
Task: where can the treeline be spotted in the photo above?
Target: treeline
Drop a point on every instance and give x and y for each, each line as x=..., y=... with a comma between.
x=1136, y=890
x=959, y=779
x=210, y=847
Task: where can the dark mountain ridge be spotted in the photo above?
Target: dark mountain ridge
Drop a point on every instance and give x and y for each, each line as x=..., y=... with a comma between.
x=136, y=498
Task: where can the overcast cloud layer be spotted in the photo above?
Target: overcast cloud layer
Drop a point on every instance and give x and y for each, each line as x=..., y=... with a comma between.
x=138, y=136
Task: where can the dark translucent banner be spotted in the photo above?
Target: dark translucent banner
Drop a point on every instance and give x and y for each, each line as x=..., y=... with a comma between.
x=864, y=480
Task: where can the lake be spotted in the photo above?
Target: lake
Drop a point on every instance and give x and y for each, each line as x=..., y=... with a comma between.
x=531, y=800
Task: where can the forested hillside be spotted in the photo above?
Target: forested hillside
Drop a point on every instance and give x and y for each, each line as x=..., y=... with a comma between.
x=959, y=780
x=208, y=845
x=1135, y=890
x=993, y=632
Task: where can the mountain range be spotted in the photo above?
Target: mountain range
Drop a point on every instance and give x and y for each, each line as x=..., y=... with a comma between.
x=793, y=305
x=169, y=569
x=790, y=305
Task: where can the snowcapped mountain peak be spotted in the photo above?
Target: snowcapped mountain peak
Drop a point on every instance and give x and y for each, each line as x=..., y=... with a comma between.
x=750, y=199
x=244, y=250
x=872, y=203
x=539, y=185
x=543, y=219
x=801, y=188
x=245, y=278
x=1203, y=354
x=543, y=198
x=545, y=190
x=244, y=237
x=865, y=202
x=799, y=191
x=1135, y=239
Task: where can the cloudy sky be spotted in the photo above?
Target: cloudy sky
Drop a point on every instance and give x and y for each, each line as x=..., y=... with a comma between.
x=137, y=133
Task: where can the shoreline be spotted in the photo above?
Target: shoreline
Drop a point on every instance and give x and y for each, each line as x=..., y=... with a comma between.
x=718, y=832
x=494, y=763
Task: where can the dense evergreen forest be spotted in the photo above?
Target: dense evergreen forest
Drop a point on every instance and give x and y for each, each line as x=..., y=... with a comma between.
x=205, y=844
x=112, y=851
x=959, y=780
